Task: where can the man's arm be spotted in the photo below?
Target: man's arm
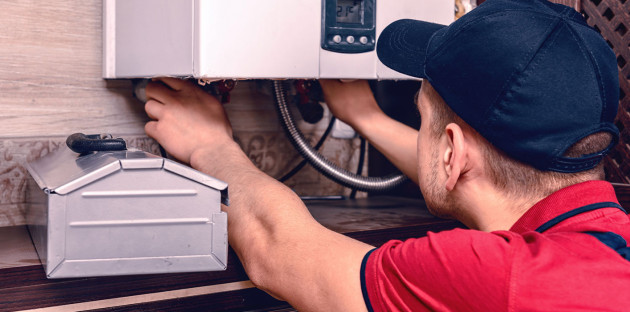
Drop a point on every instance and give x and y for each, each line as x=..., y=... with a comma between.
x=283, y=249
x=354, y=104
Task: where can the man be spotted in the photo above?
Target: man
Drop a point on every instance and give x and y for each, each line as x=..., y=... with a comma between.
x=517, y=108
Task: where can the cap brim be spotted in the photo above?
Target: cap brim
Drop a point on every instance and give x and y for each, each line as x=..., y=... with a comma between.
x=402, y=46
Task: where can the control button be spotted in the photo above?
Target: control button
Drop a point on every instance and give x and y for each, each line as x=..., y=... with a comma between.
x=350, y=39
x=363, y=40
x=337, y=39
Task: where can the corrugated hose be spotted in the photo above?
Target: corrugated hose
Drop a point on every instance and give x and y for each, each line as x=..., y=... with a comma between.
x=319, y=162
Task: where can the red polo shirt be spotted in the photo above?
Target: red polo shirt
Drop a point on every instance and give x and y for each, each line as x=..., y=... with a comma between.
x=560, y=269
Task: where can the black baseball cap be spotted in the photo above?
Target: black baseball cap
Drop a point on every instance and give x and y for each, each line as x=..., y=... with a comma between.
x=530, y=76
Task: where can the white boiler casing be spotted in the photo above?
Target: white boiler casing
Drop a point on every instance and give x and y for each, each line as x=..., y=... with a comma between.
x=251, y=39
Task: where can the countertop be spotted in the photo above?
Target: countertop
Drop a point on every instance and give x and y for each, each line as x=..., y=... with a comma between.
x=24, y=286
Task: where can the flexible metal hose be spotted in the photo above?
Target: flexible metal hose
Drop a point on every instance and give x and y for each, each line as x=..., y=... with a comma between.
x=319, y=162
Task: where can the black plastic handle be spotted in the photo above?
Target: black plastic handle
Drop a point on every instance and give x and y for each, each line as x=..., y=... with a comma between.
x=81, y=143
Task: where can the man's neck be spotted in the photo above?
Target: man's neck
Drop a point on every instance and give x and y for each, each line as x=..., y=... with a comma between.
x=487, y=209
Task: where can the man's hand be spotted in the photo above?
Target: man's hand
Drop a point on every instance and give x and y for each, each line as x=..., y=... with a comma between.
x=185, y=118
x=351, y=102
x=354, y=104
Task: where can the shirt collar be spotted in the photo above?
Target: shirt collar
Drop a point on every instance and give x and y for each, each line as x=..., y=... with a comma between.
x=564, y=200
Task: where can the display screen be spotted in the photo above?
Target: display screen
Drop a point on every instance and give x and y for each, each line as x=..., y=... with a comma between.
x=350, y=11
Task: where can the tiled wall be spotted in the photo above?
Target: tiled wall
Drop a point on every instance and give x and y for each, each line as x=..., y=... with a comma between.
x=50, y=87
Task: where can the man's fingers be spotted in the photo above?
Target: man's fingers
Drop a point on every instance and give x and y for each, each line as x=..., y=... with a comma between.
x=154, y=109
x=160, y=92
x=328, y=82
x=151, y=129
x=174, y=83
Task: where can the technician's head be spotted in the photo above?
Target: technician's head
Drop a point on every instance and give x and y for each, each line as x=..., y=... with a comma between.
x=530, y=79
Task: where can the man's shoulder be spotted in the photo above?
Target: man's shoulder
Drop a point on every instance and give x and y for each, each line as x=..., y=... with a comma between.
x=502, y=238
x=510, y=268
x=459, y=263
x=470, y=249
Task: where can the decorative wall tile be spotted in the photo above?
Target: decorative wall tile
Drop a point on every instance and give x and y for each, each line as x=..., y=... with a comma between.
x=269, y=151
x=274, y=154
x=11, y=215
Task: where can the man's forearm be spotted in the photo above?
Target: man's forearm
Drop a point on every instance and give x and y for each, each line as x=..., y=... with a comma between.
x=283, y=249
x=395, y=140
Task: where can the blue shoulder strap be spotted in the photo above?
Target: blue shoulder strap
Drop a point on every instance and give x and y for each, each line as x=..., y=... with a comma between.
x=610, y=239
x=577, y=211
x=614, y=241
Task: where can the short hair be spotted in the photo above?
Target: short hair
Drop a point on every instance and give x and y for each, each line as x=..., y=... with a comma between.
x=510, y=175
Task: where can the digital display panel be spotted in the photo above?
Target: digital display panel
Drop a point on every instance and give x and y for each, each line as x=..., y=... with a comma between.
x=350, y=11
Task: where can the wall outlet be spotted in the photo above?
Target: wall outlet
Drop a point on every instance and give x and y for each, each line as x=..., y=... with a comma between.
x=342, y=130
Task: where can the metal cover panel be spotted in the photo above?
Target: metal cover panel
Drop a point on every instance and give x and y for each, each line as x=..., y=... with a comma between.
x=125, y=212
x=139, y=222
x=55, y=232
x=93, y=175
x=220, y=237
x=110, y=267
x=142, y=163
x=64, y=166
x=36, y=215
x=200, y=177
x=63, y=171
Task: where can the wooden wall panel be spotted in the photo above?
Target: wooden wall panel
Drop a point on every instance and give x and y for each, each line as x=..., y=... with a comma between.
x=50, y=69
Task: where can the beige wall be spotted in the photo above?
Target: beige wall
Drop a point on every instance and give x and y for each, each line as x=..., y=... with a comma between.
x=50, y=87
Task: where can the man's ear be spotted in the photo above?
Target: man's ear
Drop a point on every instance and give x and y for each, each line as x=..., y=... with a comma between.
x=454, y=156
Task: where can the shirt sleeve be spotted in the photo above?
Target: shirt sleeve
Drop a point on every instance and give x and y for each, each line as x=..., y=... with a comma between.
x=457, y=270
